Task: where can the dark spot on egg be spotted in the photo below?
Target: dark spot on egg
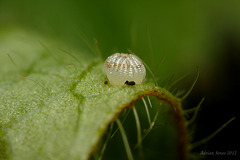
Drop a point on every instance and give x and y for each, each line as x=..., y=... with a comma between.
x=130, y=83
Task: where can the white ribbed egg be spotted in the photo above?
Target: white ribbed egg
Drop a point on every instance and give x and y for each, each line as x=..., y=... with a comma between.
x=121, y=67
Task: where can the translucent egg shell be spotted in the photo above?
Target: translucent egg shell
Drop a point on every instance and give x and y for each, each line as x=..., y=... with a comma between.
x=121, y=67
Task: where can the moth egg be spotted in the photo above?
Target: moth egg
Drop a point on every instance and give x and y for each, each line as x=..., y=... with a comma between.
x=122, y=67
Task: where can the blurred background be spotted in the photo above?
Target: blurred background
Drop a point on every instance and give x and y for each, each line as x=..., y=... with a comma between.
x=172, y=37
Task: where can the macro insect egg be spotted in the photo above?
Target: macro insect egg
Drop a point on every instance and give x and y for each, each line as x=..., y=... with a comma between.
x=122, y=67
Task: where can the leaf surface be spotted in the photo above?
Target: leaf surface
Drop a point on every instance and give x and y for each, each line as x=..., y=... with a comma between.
x=53, y=105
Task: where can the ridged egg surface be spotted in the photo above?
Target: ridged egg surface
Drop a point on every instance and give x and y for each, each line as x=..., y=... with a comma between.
x=121, y=67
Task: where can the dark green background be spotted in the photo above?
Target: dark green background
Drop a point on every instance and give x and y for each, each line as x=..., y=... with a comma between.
x=184, y=34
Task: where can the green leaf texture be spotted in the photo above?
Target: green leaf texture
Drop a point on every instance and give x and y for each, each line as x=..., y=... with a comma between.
x=55, y=105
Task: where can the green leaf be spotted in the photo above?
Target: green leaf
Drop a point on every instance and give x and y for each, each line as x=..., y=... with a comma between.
x=55, y=105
